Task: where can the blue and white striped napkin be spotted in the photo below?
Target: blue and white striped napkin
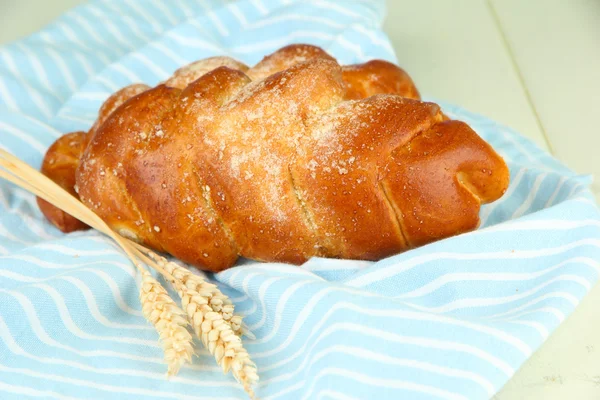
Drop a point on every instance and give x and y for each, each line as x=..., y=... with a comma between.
x=450, y=320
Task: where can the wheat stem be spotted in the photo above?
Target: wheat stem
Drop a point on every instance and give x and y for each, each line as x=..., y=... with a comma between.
x=157, y=306
x=52, y=193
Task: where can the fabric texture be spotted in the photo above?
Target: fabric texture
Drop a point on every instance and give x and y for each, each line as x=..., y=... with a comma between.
x=451, y=320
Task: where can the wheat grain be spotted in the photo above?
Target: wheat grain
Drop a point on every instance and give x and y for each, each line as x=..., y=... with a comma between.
x=218, y=301
x=200, y=300
x=170, y=322
x=217, y=335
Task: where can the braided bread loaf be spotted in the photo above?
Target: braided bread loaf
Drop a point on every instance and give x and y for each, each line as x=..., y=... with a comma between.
x=293, y=158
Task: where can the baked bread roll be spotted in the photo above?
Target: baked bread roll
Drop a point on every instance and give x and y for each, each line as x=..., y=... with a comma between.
x=293, y=158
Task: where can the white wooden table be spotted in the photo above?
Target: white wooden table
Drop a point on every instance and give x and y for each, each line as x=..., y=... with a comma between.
x=533, y=65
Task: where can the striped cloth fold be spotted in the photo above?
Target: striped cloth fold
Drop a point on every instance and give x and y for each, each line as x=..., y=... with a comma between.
x=451, y=320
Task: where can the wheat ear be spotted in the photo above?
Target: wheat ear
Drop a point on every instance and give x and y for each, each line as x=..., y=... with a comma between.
x=218, y=337
x=170, y=322
x=219, y=302
x=216, y=333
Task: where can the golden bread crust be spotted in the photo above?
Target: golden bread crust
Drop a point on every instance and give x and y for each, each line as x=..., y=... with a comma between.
x=59, y=164
x=378, y=77
x=293, y=158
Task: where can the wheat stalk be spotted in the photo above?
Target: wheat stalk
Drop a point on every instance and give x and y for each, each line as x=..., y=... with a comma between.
x=176, y=340
x=209, y=311
x=170, y=322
